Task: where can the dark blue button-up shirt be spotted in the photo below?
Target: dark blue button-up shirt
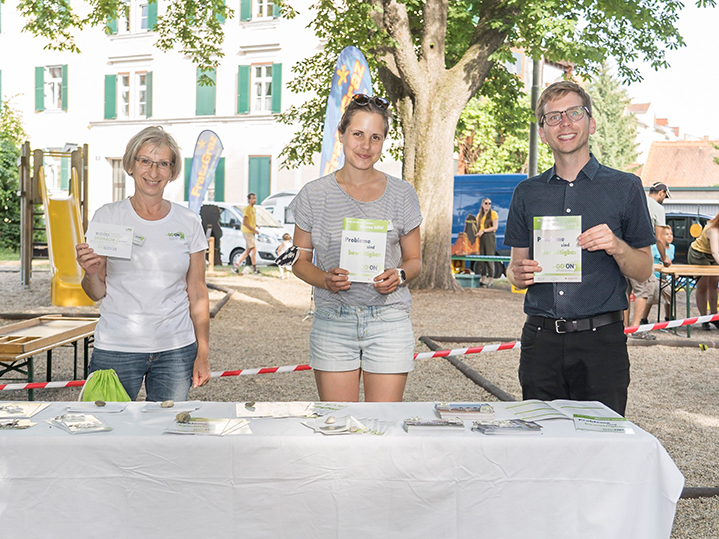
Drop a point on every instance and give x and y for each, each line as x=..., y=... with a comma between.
x=600, y=195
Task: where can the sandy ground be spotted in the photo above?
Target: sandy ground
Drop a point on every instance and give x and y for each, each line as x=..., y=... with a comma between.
x=673, y=393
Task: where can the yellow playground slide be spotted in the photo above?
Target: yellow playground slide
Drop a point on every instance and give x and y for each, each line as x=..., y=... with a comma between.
x=63, y=226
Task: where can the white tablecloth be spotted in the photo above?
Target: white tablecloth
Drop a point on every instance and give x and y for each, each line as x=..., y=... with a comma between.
x=284, y=481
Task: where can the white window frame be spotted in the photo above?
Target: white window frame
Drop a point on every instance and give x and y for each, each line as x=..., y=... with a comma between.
x=52, y=86
x=141, y=15
x=141, y=94
x=137, y=15
x=123, y=96
x=263, y=9
x=132, y=95
x=261, y=99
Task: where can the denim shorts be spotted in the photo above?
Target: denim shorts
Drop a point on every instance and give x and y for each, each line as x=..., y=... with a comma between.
x=167, y=374
x=375, y=339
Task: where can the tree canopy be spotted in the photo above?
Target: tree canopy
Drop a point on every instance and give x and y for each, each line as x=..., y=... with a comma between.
x=428, y=57
x=488, y=142
x=12, y=135
x=615, y=141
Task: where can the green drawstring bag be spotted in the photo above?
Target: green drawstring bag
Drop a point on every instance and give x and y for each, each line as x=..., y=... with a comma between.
x=103, y=385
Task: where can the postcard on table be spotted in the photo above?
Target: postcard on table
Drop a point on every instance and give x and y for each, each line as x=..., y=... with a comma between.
x=363, y=246
x=110, y=240
x=556, y=249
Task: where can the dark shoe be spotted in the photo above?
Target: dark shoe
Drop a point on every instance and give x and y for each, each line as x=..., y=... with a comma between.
x=643, y=321
x=715, y=323
x=644, y=336
x=235, y=270
x=256, y=272
x=706, y=326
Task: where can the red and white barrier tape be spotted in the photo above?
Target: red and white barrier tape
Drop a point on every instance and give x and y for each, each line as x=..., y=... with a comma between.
x=425, y=355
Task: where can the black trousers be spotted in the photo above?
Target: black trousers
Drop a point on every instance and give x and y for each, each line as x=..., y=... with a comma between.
x=583, y=366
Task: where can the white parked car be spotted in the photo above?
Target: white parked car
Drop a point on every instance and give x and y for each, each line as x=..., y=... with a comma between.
x=277, y=205
x=232, y=243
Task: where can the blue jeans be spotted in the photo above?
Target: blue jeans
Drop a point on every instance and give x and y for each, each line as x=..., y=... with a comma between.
x=167, y=374
x=375, y=339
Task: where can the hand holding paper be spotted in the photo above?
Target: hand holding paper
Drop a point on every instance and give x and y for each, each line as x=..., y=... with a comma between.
x=336, y=279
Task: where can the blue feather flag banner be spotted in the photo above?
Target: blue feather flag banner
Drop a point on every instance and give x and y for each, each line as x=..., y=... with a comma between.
x=204, y=163
x=351, y=77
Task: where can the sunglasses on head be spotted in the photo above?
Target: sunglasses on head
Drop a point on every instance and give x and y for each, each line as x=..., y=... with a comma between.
x=363, y=100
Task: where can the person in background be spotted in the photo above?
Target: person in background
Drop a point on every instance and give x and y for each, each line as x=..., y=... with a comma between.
x=360, y=331
x=487, y=224
x=644, y=291
x=704, y=251
x=573, y=342
x=155, y=314
x=663, y=291
x=250, y=229
x=281, y=248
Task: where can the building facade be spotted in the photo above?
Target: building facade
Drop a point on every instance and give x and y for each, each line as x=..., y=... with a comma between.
x=121, y=83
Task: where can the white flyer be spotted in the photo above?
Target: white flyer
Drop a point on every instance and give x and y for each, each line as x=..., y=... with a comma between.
x=363, y=246
x=110, y=240
x=556, y=249
x=618, y=425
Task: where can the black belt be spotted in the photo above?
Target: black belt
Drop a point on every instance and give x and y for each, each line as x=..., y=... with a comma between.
x=570, y=326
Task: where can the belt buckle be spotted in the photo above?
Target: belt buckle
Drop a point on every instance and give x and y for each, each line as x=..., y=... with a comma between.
x=556, y=325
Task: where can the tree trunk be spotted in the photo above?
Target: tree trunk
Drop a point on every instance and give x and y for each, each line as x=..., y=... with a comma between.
x=431, y=172
x=429, y=99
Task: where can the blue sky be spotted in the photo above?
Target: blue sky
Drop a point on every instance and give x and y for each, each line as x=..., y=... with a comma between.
x=687, y=93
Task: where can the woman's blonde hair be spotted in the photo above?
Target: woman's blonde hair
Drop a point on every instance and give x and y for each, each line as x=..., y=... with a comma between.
x=156, y=137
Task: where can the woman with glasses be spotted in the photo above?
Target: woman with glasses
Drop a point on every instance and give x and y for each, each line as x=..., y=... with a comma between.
x=360, y=330
x=154, y=318
x=487, y=223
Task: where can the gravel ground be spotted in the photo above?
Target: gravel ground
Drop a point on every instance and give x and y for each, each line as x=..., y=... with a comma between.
x=673, y=393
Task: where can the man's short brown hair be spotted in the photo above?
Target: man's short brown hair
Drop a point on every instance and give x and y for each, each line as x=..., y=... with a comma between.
x=557, y=91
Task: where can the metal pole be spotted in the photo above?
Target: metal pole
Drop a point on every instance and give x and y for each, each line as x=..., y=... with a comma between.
x=26, y=216
x=533, y=127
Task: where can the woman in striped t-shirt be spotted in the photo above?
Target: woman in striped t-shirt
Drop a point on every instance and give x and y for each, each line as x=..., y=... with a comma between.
x=360, y=330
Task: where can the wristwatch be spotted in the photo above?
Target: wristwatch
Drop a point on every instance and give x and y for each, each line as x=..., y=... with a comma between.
x=402, y=276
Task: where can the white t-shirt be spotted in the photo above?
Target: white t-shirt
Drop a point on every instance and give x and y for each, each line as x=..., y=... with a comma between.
x=146, y=307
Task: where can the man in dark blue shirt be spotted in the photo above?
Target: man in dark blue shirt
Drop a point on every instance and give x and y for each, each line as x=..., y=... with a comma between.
x=573, y=343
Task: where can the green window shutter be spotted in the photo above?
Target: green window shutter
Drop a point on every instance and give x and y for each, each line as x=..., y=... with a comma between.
x=148, y=94
x=243, y=90
x=220, y=181
x=188, y=171
x=152, y=15
x=64, y=87
x=246, y=10
x=111, y=27
x=110, y=97
x=259, y=182
x=205, y=98
x=275, y=11
x=276, y=88
x=39, y=89
x=220, y=18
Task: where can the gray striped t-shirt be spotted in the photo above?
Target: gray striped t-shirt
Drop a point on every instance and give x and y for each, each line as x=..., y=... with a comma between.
x=319, y=209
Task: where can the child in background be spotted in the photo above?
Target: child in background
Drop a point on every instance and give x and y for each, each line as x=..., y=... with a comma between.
x=286, y=244
x=664, y=293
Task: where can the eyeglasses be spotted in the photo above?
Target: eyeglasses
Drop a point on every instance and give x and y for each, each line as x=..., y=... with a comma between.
x=573, y=113
x=146, y=163
x=363, y=100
